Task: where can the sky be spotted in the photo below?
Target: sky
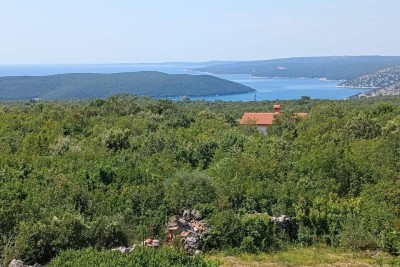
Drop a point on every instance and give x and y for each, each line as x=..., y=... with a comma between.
x=141, y=31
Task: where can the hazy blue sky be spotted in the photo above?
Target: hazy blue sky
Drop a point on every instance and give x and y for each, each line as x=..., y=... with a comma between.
x=116, y=31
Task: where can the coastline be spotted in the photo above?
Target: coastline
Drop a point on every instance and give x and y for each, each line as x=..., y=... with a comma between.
x=356, y=87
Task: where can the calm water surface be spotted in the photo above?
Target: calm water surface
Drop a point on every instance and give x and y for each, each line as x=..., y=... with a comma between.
x=267, y=89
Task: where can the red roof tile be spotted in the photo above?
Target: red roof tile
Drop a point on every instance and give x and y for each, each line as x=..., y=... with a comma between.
x=258, y=118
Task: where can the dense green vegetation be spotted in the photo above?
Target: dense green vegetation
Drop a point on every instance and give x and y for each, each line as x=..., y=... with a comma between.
x=91, y=85
x=103, y=173
x=334, y=68
x=139, y=258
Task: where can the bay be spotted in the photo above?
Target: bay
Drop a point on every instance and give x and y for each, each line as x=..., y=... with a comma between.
x=285, y=89
x=266, y=88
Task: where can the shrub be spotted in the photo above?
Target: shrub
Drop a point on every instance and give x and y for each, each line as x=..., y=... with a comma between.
x=225, y=231
x=355, y=236
x=249, y=232
x=185, y=190
x=116, y=139
x=40, y=241
x=261, y=230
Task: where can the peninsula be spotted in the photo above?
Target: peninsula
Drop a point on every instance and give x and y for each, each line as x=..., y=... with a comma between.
x=91, y=85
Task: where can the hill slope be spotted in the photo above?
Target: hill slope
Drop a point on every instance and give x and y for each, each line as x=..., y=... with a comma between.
x=379, y=79
x=391, y=90
x=85, y=85
x=335, y=68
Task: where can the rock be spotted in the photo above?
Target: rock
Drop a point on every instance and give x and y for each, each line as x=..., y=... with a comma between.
x=182, y=222
x=187, y=215
x=156, y=243
x=19, y=263
x=124, y=249
x=196, y=214
x=177, y=225
x=188, y=229
x=287, y=224
x=16, y=263
x=192, y=243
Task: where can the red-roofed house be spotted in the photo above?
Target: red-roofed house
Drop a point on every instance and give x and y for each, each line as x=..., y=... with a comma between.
x=261, y=120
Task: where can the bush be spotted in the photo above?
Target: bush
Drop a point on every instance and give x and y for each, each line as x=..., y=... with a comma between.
x=249, y=232
x=247, y=245
x=116, y=139
x=186, y=190
x=355, y=236
x=40, y=241
x=225, y=233
x=108, y=232
x=261, y=230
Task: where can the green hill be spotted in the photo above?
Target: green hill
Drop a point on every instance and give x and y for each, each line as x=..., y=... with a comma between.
x=334, y=68
x=391, y=90
x=85, y=85
x=379, y=79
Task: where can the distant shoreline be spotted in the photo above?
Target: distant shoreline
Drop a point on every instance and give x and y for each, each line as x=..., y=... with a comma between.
x=356, y=87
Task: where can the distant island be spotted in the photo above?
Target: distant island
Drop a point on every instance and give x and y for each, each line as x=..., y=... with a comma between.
x=332, y=68
x=89, y=85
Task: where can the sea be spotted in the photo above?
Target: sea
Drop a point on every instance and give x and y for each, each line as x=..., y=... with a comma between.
x=266, y=88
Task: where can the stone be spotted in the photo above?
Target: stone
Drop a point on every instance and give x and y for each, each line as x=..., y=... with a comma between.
x=187, y=215
x=188, y=228
x=19, y=263
x=124, y=249
x=287, y=224
x=16, y=263
x=196, y=214
x=192, y=243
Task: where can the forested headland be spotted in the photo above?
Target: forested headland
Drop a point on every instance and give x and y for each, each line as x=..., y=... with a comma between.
x=99, y=85
x=331, y=67
x=96, y=174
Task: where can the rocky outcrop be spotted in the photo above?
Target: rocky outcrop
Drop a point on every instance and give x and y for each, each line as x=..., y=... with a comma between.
x=188, y=229
x=19, y=263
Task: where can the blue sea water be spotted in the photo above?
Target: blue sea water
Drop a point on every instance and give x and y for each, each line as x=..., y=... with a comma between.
x=266, y=88
x=284, y=88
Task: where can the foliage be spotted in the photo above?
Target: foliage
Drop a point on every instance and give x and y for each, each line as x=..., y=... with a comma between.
x=92, y=85
x=355, y=235
x=109, y=172
x=249, y=232
x=188, y=190
x=138, y=258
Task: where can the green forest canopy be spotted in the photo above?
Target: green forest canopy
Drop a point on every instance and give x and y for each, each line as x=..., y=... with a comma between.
x=94, y=85
x=99, y=173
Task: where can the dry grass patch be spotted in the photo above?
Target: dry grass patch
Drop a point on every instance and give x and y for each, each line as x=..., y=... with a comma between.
x=318, y=256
